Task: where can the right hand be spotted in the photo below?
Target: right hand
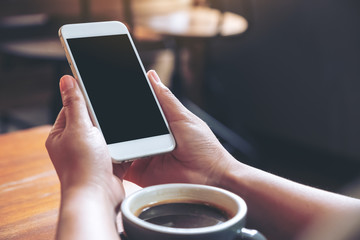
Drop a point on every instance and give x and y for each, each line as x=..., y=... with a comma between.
x=198, y=157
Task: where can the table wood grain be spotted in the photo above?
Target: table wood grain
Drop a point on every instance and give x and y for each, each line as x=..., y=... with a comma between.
x=29, y=187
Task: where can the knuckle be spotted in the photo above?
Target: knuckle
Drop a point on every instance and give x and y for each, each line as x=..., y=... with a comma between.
x=47, y=143
x=167, y=92
x=50, y=140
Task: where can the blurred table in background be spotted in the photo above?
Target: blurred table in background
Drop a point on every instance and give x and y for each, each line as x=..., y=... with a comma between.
x=192, y=29
x=198, y=22
x=45, y=50
x=29, y=186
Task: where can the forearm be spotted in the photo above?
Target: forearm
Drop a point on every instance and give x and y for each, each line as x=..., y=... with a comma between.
x=88, y=216
x=279, y=207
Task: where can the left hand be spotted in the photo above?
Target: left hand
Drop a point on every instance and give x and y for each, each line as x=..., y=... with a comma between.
x=78, y=150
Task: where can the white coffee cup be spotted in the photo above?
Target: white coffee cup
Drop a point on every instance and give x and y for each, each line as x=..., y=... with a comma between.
x=231, y=229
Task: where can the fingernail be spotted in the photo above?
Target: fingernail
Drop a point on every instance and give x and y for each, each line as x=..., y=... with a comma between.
x=66, y=83
x=155, y=76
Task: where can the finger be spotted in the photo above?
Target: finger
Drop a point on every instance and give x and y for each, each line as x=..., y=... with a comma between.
x=173, y=109
x=120, y=170
x=73, y=103
x=136, y=171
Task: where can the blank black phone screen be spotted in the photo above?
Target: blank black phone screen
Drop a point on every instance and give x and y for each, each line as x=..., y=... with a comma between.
x=117, y=88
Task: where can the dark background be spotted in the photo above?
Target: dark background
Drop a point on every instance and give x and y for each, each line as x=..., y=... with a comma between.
x=291, y=85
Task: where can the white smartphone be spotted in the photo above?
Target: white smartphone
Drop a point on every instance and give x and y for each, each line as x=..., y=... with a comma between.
x=119, y=96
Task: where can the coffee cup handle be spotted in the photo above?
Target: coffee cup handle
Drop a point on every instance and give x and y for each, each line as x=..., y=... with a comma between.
x=250, y=234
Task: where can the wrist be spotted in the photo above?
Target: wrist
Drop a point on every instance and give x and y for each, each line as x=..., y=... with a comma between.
x=86, y=195
x=226, y=172
x=235, y=177
x=80, y=212
x=109, y=190
x=90, y=194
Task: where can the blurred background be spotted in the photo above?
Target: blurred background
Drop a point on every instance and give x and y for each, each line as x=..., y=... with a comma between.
x=278, y=81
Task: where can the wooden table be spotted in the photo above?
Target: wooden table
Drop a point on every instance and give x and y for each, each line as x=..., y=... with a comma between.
x=29, y=186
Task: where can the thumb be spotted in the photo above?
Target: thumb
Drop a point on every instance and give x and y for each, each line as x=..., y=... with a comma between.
x=173, y=109
x=73, y=103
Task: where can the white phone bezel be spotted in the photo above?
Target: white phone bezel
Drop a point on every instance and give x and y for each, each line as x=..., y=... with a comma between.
x=121, y=151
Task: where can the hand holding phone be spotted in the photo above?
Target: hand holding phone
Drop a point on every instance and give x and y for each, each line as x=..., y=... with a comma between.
x=120, y=99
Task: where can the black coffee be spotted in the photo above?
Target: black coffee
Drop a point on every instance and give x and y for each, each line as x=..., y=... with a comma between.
x=184, y=215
